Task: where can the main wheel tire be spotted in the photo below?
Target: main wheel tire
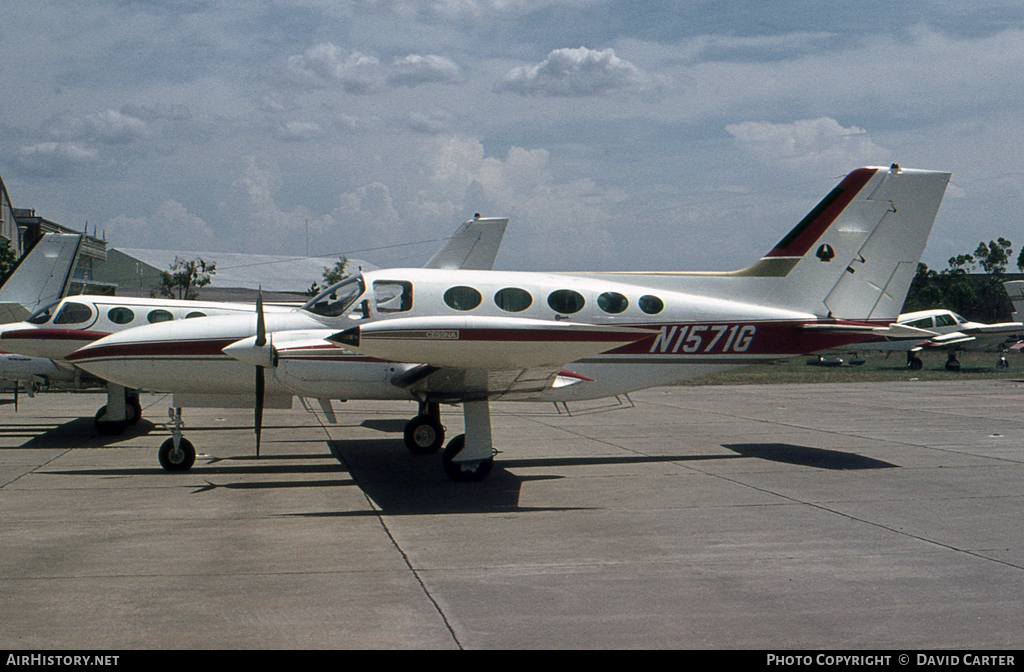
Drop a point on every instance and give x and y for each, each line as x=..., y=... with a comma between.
x=915, y=364
x=464, y=472
x=952, y=365
x=183, y=461
x=423, y=436
x=108, y=427
x=134, y=409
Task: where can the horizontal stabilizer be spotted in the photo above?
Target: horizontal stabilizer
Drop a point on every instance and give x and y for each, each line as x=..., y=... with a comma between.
x=892, y=331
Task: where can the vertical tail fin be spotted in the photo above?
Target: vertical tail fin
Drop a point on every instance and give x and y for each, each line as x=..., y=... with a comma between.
x=854, y=255
x=1015, y=290
x=473, y=246
x=40, y=277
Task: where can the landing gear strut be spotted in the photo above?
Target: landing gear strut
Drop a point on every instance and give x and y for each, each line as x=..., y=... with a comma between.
x=469, y=457
x=176, y=453
x=424, y=434
x=122, y=409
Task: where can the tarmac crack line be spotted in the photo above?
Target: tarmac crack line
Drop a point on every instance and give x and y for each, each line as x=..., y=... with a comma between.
x=379, y=513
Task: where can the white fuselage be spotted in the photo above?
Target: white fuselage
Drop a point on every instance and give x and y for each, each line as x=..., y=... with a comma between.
x=688, y=335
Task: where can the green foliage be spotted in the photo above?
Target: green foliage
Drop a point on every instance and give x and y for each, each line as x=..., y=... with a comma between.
x=185, y=278
x=330, y=276
x=976, y=296
x=8, y=258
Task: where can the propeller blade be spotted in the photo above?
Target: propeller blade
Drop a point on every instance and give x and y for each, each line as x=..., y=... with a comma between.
x=261, y=325
x=258, y=420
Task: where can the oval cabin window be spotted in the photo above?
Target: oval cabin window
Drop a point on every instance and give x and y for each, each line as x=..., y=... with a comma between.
x=462, y=298
x=513, y=299
x=566, y=301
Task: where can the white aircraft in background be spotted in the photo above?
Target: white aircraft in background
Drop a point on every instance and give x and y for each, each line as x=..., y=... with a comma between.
x=950, y=332
x=56, y=330
x=469, y=337
x=41, y=276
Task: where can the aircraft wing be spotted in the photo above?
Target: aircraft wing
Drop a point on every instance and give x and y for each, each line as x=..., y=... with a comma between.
x=473, y=246
x=474, y=357
x=978, y=329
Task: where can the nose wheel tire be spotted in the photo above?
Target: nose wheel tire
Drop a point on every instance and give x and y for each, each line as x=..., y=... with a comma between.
x=424, y=435
x=464, y=472
x=180, y=460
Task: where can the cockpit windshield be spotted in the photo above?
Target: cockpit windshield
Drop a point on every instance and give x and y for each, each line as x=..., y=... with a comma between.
x=336, y=299
x=42, y=315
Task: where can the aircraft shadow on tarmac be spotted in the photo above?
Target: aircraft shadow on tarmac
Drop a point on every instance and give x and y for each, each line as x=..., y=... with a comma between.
x=79, y=432
x=804, y=456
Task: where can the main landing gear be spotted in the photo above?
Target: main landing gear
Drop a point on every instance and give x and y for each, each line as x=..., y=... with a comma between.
x=468, y=457
x=914, y=362
x=122, y=409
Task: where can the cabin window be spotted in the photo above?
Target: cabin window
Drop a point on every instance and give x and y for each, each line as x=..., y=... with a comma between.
x=566, y=301
x=612, y=302
x=513, y=299
x=392, y=296
x=73, y=313
x=159, y=315
x=945, y=321
x=923, y=323
x=120, y=315
x=462, y=298
x=337, y=299
x=651, y=305
x=195, y=313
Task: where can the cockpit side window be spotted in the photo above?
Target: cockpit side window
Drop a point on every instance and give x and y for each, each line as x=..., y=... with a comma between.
x=923, y=323
x=43, y=315
x=337, y=299
x=945, y=321
x=73, y=313
x=392, y=296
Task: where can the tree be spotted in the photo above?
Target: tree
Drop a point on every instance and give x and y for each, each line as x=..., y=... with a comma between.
x=331, y=276
x=8, y=258
x=976, y=296
x=186, y=277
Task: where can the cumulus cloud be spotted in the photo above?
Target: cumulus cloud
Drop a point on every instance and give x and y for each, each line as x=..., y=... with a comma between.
x=325, y=65
x=170, y=226
x=55, y=158
x=815, y=142
x=577, y=72
x=414, y=69
x=109, y=127
x=298, y=131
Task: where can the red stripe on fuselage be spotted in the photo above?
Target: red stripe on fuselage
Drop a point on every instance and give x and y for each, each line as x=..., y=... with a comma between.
x=196, y=348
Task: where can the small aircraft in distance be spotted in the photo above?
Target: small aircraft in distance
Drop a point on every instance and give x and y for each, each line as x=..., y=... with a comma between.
x=950, y=332
x=56, y=330
x=472, y=336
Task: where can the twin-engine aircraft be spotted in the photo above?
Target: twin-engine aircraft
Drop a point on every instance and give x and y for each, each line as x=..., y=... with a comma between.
x=58, y=328
x=469, y=337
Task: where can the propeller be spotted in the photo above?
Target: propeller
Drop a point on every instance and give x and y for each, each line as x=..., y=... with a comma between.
x=261, y=342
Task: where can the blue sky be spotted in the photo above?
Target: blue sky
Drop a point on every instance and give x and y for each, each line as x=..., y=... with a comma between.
x=615, y=135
